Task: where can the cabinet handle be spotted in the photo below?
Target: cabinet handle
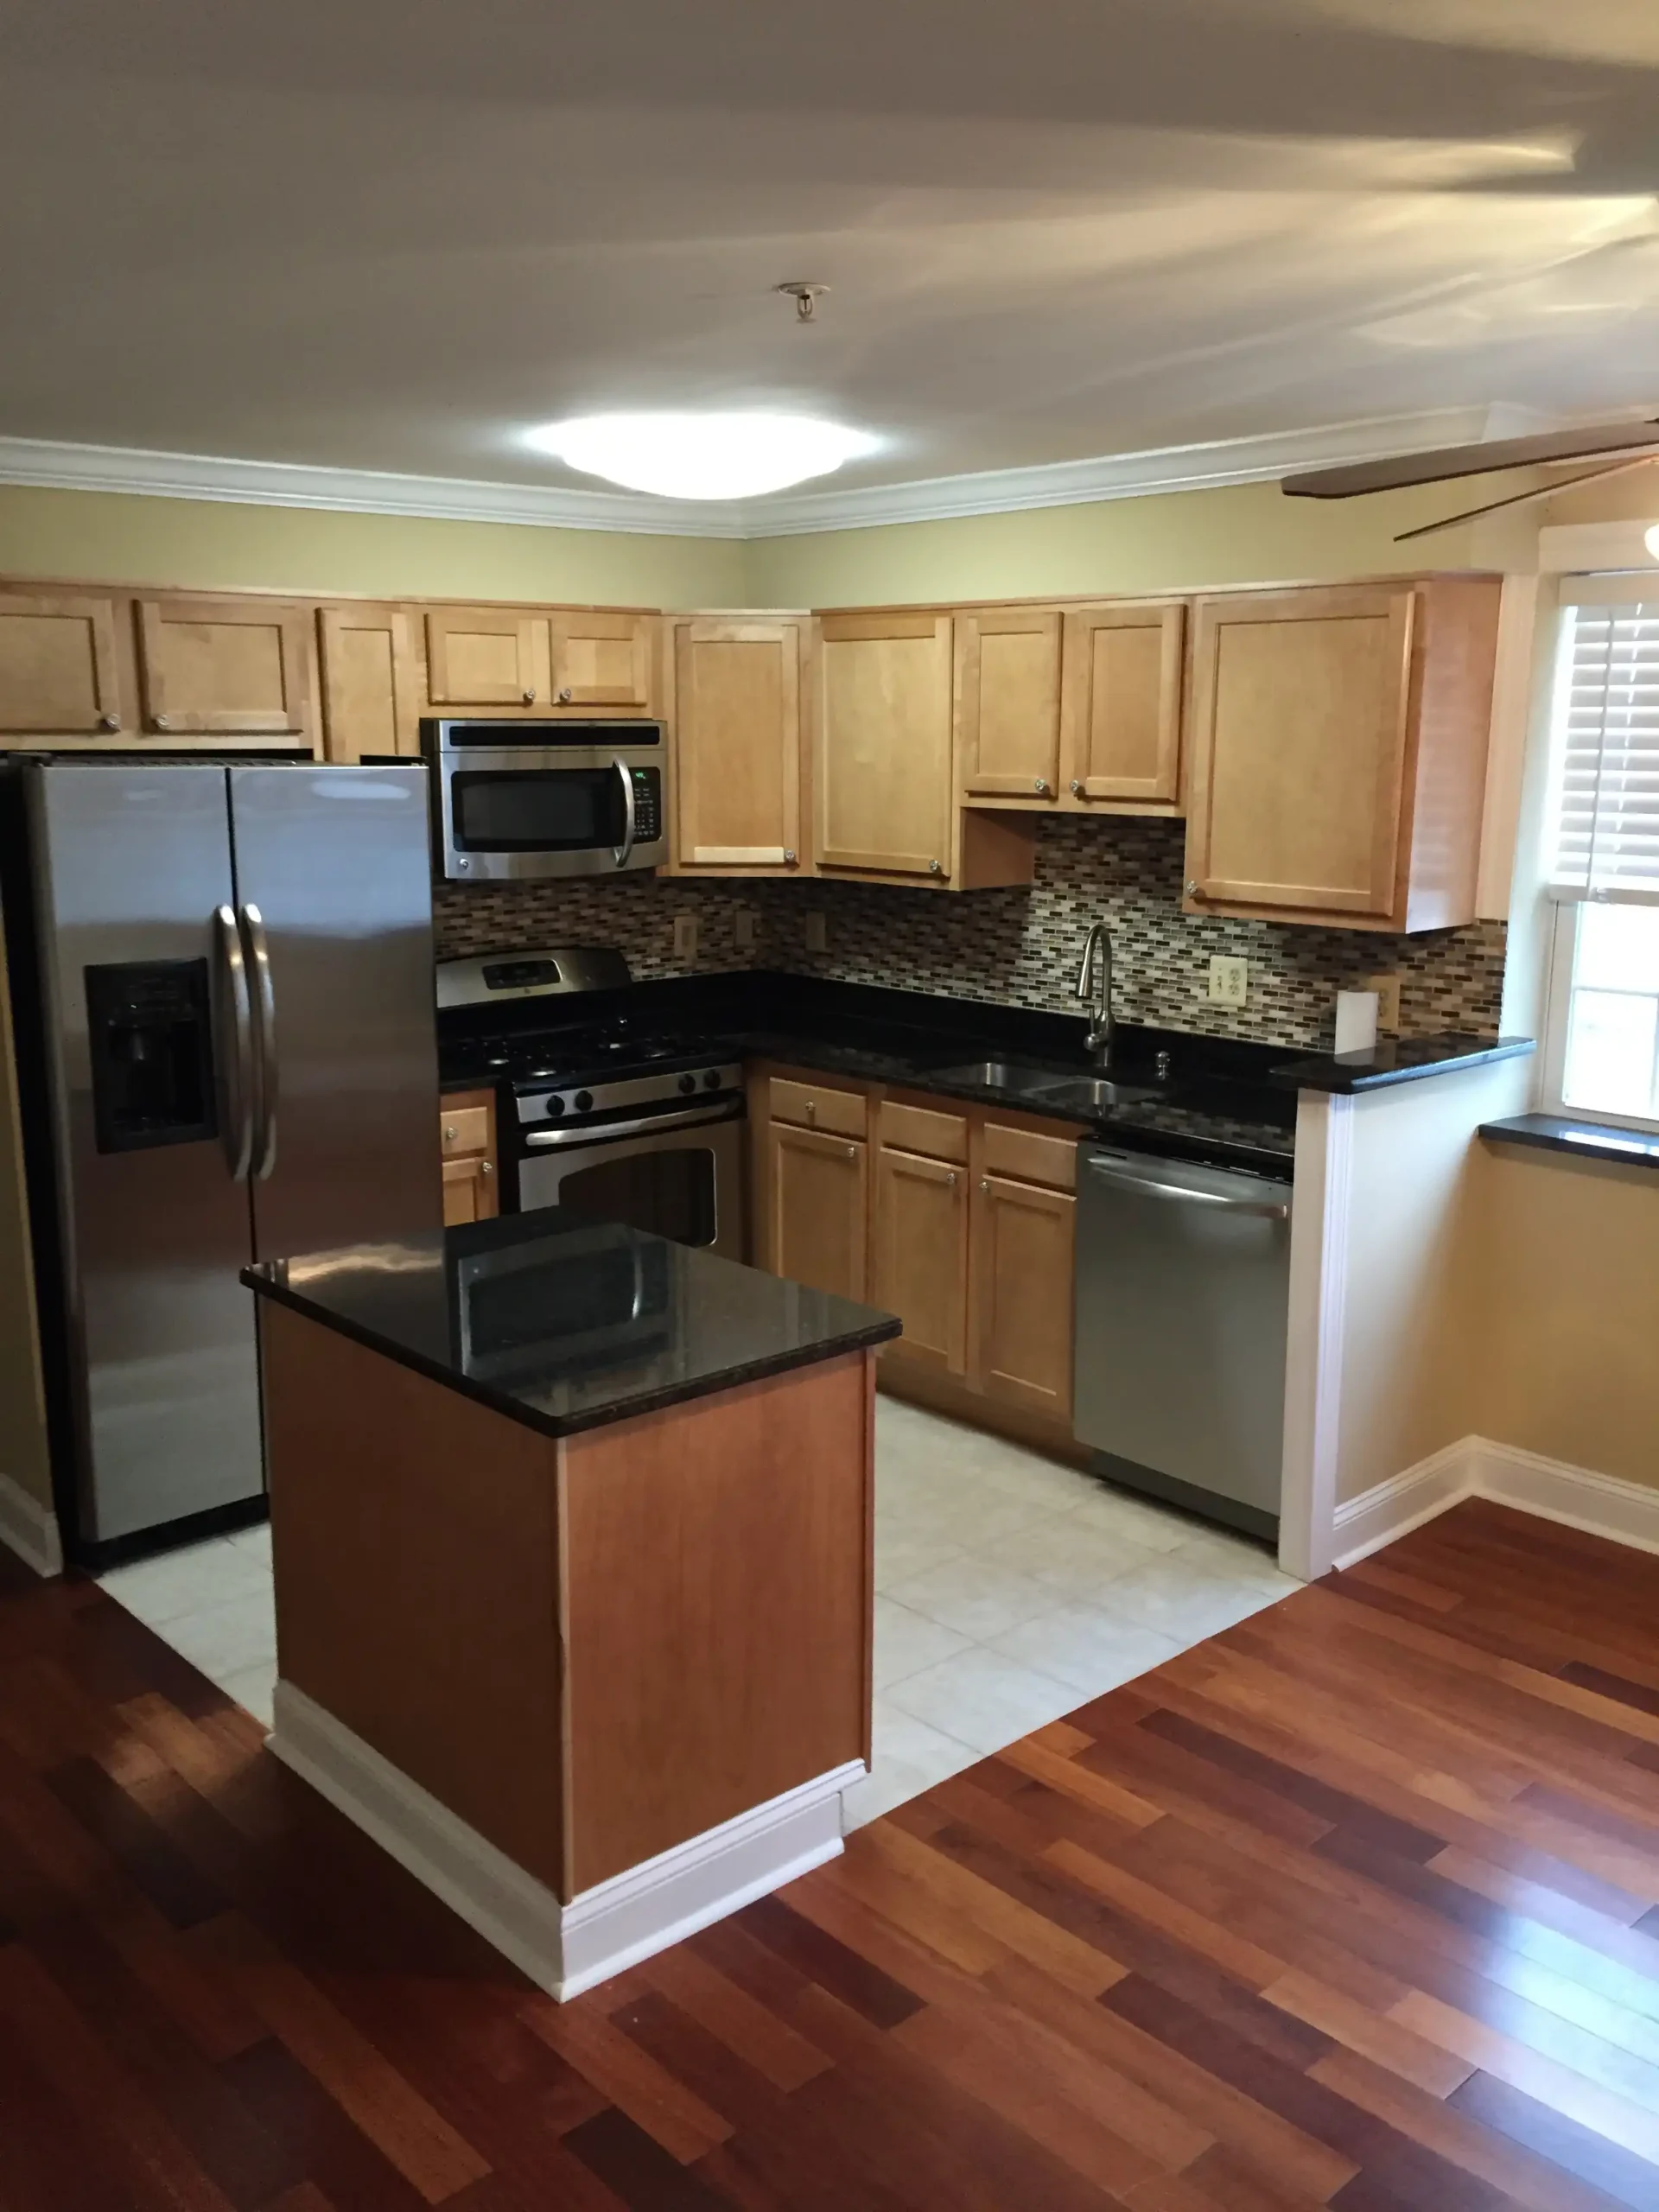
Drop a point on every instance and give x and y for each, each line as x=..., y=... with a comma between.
x=486, y=1167
x=529, y=698
x=934, y=868
x=161, y=721
x=566, y=696
x=109, y=722
x=789, y=855
x=1076, y=787
x=1042, y=787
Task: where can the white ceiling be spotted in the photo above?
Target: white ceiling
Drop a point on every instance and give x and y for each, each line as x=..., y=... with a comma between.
x=392, y=234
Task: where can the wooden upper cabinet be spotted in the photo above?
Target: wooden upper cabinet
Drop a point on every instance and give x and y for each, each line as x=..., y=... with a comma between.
x=921, y=1255
x=1339, y=749
x=737, y=744
x=58, y=664
x=1122, y=704
x=485, y=656
x=226, y=666
x=601, y=658
x=1007, y=701
x=370, y=683
x=818, y=1209
x=884, y=785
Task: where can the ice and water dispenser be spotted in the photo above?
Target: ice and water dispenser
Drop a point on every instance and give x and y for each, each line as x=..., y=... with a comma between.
x=150, y=1028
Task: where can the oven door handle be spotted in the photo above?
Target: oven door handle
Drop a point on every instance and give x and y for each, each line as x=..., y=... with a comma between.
x=622, y=853
x=596, y=1133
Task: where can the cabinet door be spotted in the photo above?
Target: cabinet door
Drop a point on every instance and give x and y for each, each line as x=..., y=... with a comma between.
x=601, y=660
x=737, y=744
x=886, y=793
x=469, y=1191
x=371, y=689
x=1023, y=1241
x=1300, y=728
x=1122, y=702
x=818, y=1209
x=482, y=657
x=1008, y=701
x=921, y=1257
x=226, y=666
x=58, y=664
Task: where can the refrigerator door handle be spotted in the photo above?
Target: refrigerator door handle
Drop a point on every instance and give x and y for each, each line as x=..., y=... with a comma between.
x=237, y=1134
x=265, y=1000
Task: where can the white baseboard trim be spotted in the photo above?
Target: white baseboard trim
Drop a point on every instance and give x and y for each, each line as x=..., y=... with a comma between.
x=29, y=1529
x=564, y=1948
x=1601, y=1505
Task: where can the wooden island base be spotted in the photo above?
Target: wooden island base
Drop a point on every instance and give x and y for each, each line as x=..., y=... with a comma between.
x=596, y=1691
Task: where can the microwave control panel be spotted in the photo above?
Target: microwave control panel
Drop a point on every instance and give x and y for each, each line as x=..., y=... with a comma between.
x=647, y=804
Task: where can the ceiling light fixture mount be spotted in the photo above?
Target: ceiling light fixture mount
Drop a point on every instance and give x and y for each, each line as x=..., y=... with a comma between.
x=805, y=296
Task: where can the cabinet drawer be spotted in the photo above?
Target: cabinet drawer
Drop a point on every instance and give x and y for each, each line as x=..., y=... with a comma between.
x=464, y=1125
x=1031, y=1157
x=919, y=1128
x=817, y=1106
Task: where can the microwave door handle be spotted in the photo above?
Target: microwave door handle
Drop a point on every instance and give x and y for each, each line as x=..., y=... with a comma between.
x=621, y=853
x=265, y=1000
x=234, y=969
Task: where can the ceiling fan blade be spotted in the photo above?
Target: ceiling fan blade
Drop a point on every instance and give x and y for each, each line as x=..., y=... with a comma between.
x=1521, y=499
x=1442, y=467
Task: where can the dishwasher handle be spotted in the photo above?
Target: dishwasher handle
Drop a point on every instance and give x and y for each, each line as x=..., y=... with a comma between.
x=1144, y=1186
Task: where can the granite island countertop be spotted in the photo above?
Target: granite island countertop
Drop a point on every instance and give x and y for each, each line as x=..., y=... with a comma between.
x=566, y=1324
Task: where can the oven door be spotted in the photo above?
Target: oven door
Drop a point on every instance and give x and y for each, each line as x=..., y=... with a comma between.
x=522, y=812
x=684, y=1182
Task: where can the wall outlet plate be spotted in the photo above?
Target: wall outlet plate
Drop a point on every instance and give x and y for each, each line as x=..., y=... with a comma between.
x=1230, y=981
x=814, y=936
x=1387, y=1001
x=743, y=929
x=685, y=937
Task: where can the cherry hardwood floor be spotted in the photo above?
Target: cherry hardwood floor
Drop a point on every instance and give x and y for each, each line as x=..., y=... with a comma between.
x=1356, y=1904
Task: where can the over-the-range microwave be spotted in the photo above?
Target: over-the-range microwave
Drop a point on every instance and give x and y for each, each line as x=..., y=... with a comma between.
x=534, y=798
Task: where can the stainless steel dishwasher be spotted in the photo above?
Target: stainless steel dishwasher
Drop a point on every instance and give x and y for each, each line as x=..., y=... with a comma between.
x=1182, y=1279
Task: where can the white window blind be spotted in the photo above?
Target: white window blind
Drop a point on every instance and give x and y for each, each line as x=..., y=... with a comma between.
x=1606, y=811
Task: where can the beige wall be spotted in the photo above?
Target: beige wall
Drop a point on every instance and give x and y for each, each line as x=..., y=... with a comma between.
x=125, y=537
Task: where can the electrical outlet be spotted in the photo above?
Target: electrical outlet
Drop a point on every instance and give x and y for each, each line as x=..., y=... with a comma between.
x=743, y=929
x=1387, y=1001
x=1230, y=981
x=815, y=937
x=685, y=937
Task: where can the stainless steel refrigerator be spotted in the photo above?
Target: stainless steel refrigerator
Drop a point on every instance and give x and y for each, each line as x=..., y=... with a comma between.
x=234, y=1054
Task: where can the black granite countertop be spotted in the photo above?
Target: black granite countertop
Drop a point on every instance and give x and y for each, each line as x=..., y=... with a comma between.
x=1399, y=1060
x=565, y=1323
x=1576, y=1140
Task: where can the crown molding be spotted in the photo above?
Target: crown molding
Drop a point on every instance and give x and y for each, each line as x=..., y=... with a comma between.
x=52, y=465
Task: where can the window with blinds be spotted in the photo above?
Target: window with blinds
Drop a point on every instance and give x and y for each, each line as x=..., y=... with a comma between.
x=1606, y=779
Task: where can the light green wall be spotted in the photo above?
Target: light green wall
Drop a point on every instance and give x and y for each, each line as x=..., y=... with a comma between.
x=1238, y=534
x=127, y=538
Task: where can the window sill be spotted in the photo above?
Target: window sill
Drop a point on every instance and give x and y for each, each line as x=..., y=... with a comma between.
x=1579, y=1139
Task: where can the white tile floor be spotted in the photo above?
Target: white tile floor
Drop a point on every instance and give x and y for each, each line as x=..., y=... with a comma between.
x=1010, y=1589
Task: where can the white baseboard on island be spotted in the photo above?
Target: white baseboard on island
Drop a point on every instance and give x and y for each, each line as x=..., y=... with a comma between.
x=564, y=1948
x=29, y=1529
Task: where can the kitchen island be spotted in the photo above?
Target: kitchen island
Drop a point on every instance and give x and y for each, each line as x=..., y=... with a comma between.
x=571, y=1531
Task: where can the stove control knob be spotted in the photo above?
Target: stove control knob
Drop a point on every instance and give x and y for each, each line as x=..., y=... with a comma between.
x=688, y=1084
x=711, y=1081
x=583, y=1102
x=553, y=1106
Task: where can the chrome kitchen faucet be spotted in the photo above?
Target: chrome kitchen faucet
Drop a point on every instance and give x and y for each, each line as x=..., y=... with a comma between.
x=1093, y=987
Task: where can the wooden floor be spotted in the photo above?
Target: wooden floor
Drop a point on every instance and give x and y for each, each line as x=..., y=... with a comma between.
x=1356, y=1904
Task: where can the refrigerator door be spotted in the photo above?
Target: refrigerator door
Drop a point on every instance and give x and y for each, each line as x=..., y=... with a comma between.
x=130, y=865
x=334, y=888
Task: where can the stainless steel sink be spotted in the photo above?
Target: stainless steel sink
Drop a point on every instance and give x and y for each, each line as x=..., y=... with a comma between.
x=998, y=1075
x=1088, y=1094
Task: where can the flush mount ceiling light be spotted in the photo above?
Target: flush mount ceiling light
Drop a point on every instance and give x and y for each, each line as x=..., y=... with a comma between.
x=1652, y=541
x=686, y=456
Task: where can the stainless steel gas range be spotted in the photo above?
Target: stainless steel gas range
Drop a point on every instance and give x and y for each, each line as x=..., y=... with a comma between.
x=595, y=1116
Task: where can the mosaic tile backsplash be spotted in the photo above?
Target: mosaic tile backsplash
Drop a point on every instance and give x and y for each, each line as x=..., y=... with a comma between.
x=1014, y=947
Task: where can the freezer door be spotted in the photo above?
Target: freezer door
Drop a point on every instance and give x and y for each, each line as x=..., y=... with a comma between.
x=161, y=1382
x=334, y=888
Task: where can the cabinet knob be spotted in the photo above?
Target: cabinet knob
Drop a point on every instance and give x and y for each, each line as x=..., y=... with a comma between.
x=1042, y=787
x=934, y=868
x=448, y=1133
x=1076, y=787
x=950, y=1181
x=1192, y=890
x=161, y=721
x=985, y=1184
x=789, y=855
x=529, y=698
x=486, y=1167
x=852, y=1152
x=566, y=696
x=109, y=722
x=811, y=1109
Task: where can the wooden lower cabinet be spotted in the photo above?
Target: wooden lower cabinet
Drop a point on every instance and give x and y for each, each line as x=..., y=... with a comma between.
x=1024, y=1240
x=471, y=1179
x=816, y=1209
x=921, y=1257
